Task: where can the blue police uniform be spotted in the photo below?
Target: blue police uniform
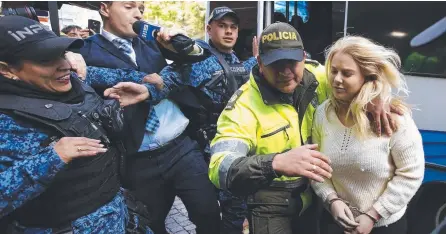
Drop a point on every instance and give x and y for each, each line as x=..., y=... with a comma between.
x=28, y=166
x=204, y=118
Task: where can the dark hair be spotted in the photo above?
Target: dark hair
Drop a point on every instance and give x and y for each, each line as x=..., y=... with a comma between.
x=109, y=3
x=14, y=62
x=68, y=28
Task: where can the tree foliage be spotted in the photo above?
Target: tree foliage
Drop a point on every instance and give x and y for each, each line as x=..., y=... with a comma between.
x=185, y=15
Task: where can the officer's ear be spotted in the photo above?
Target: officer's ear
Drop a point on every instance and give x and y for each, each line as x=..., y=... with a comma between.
x=261, y=66
x=7, y=71
x=208, y=29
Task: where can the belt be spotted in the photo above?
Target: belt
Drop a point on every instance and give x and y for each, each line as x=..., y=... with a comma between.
x=164, y=148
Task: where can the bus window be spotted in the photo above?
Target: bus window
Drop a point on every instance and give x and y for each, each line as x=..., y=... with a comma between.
x=280, y=9
x=313, y=22
x=394, y=24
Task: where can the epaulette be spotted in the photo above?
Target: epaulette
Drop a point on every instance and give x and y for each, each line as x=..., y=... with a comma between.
x=312, y=62
x=233, y=100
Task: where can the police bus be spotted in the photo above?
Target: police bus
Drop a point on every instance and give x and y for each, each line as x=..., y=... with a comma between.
x=392, y=24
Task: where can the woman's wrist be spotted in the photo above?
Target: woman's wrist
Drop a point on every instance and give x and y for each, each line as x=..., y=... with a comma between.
x=373, y=214
x=331, y=196
x=374, y=220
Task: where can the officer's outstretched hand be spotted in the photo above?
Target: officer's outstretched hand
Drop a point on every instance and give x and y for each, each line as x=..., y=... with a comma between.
x=128, y=93
x=69, y=148
x=303, y=161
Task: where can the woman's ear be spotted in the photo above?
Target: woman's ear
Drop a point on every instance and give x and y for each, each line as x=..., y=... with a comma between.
x=6, y=71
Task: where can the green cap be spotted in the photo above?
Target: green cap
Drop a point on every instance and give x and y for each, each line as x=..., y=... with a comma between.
x=280, y=41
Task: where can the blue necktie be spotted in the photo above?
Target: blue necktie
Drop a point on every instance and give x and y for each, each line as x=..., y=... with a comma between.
x=153, y=122
x=123, y=45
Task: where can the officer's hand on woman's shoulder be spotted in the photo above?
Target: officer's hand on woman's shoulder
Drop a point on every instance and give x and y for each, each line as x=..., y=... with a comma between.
x=303, y=161
x=381, y=117
x=69, y=148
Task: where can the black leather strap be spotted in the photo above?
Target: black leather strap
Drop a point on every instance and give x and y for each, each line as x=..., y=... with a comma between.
x=232, y=83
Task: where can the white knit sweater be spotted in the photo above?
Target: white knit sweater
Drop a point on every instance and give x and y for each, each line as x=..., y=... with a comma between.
x=379, y=172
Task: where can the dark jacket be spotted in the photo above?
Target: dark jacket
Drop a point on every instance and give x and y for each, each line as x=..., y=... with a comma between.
x=100, y=52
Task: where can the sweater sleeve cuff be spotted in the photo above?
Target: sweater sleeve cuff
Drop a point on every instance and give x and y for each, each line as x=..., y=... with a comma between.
x=381, y=210
x=267, y=166
x=323, y=191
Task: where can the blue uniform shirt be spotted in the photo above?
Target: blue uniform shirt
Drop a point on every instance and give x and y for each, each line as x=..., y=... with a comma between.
x=27, y=168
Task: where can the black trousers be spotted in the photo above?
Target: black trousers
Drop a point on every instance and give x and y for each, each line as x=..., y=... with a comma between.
x=328, y=226
x=155, y=178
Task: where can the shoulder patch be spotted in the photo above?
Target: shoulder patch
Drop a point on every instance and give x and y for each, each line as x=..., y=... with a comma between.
x=234, y=98
x=312, y=62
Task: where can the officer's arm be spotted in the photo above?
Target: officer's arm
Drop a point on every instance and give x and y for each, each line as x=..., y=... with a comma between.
x=175, y=76
x=23, y=178
x=108, y=77
x=231, y=168
x=250, y=63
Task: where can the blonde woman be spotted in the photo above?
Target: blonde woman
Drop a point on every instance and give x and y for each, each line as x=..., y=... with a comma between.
x=374, y=177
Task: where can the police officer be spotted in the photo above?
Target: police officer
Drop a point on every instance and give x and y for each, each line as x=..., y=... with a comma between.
x=205, y=88
x=259, y=149
x=164, y=162
x=59, y=155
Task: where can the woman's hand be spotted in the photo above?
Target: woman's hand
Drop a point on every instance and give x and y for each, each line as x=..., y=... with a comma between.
x=365, y=225
x=69, y=148
x=128, y=93
x=343, y=215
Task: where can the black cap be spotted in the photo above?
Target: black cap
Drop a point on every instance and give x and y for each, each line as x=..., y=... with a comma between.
x=280, y=41
x=429, y=34
x=27, y=39
x=220, y=12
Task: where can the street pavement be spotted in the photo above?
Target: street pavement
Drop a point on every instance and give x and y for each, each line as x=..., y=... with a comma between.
x=177, y=221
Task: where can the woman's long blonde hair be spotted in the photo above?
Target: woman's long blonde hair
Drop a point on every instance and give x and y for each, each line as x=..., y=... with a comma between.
x=380, y=68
